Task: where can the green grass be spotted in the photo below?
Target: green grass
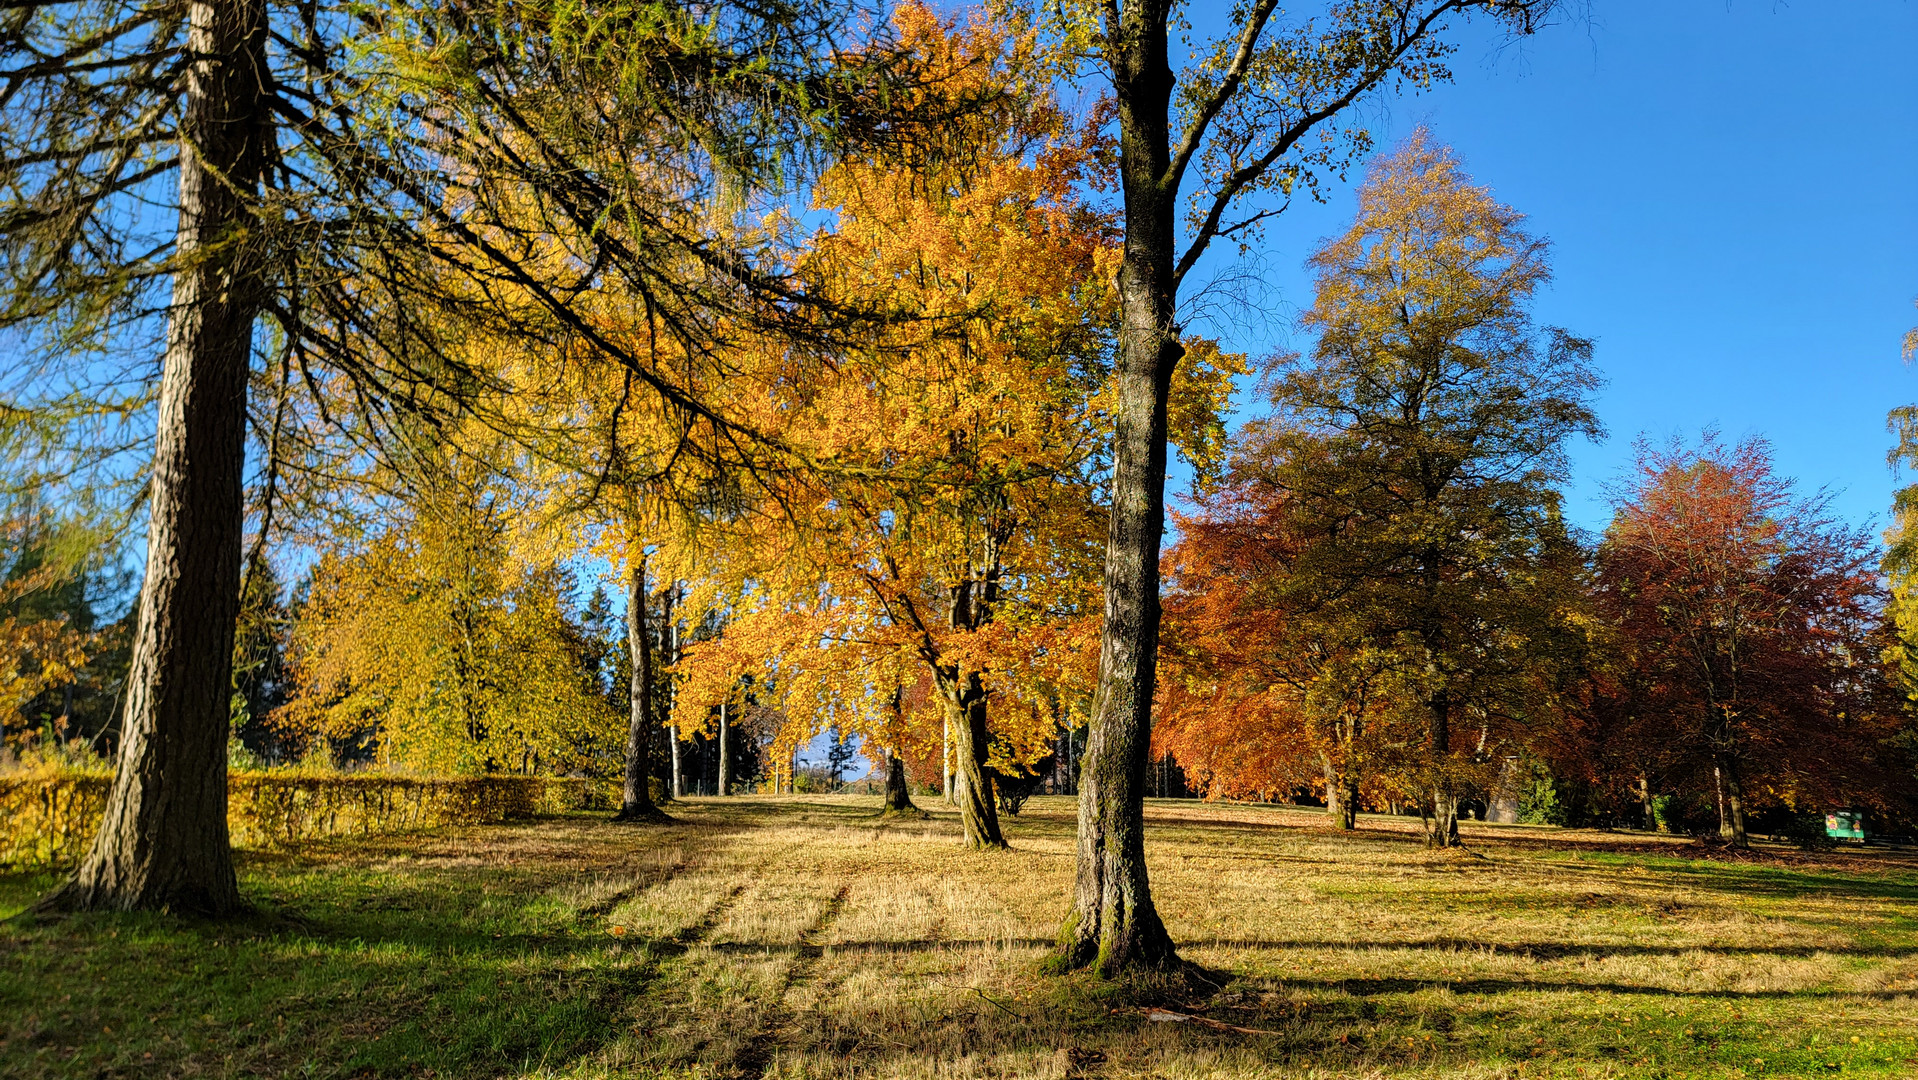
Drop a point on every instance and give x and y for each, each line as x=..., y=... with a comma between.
x=805, y=937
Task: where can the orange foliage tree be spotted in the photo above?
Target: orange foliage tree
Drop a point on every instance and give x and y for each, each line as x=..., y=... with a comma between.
x=951, y=534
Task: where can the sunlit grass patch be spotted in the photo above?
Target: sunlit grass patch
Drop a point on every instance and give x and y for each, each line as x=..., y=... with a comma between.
x=788, y=937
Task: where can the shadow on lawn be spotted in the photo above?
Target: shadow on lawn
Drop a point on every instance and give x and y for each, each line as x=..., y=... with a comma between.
x=1554, y=950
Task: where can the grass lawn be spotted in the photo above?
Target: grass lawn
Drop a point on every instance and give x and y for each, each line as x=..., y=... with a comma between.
x=793, y=937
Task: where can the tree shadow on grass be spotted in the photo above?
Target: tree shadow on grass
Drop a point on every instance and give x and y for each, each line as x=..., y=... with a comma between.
x=1556, y=950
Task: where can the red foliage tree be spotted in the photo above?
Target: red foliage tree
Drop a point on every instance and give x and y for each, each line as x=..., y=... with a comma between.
x=1749, y=634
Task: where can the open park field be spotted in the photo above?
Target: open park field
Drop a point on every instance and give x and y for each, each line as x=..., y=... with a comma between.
x=803, y=936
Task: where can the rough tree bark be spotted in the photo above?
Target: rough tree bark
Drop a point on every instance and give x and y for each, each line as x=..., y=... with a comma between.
x=163, y=843
x=978, y=812
x=1113, y=924
x=898, y=796
x=636, y=796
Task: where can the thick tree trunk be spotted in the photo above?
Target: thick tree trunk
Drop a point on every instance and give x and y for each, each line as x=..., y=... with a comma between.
x=1113, y=925
x=898, y=795
x=1645, y=804
x=636, y=796
x=1333, y=810
x=978, y=812
x=163, y=843
x=1341, y=794
x=1734, y=805
x=725, y=783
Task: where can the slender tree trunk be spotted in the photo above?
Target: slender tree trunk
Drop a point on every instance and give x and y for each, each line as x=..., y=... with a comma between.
x=1114, y=925
x=978, y=813
x=163, y=842
x=1718, y=788
x=636, y=798
x=1645, y=803
x=672, y=751
x=1442, y=824
x=1350, y=779
x=725, y=784
x=945, y=761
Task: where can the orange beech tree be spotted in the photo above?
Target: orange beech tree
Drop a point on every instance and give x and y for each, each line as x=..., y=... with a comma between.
x=1755, y=633
x=1264, y=694
x=951, y=532
x=1397, y=517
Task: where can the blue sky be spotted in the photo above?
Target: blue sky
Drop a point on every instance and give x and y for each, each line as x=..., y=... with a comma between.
x=1731, y=187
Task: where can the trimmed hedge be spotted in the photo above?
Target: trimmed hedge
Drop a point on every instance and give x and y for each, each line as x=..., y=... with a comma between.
x=49, y=819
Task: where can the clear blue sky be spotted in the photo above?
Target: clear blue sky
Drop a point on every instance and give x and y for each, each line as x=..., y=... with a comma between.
x=1731, y=187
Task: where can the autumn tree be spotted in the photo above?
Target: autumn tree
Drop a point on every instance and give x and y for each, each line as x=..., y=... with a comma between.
x=954, y=515
x=1268, y=688
x=47, y=634
x=1754, y=621
x=1901, y=552
x=1248, y=122
x=1420, y=447
x=325, y=168
x=446, y=641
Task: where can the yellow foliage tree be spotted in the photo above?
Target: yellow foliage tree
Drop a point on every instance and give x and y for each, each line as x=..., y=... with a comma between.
x=448, y=642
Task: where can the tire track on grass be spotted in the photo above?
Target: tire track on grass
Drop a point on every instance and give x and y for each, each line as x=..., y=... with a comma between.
x=752, y=1059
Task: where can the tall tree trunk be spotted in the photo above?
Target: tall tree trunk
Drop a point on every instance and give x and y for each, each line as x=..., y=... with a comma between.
x=672, y=752
x=163, y=843
x=725, y=783
x=1113, y=924
x=636, y=796
x=978, y=813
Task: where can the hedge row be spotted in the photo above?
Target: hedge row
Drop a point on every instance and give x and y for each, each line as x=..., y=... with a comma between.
x=50, y=819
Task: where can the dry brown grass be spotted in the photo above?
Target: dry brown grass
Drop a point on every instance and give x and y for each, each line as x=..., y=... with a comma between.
x=806, y=937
